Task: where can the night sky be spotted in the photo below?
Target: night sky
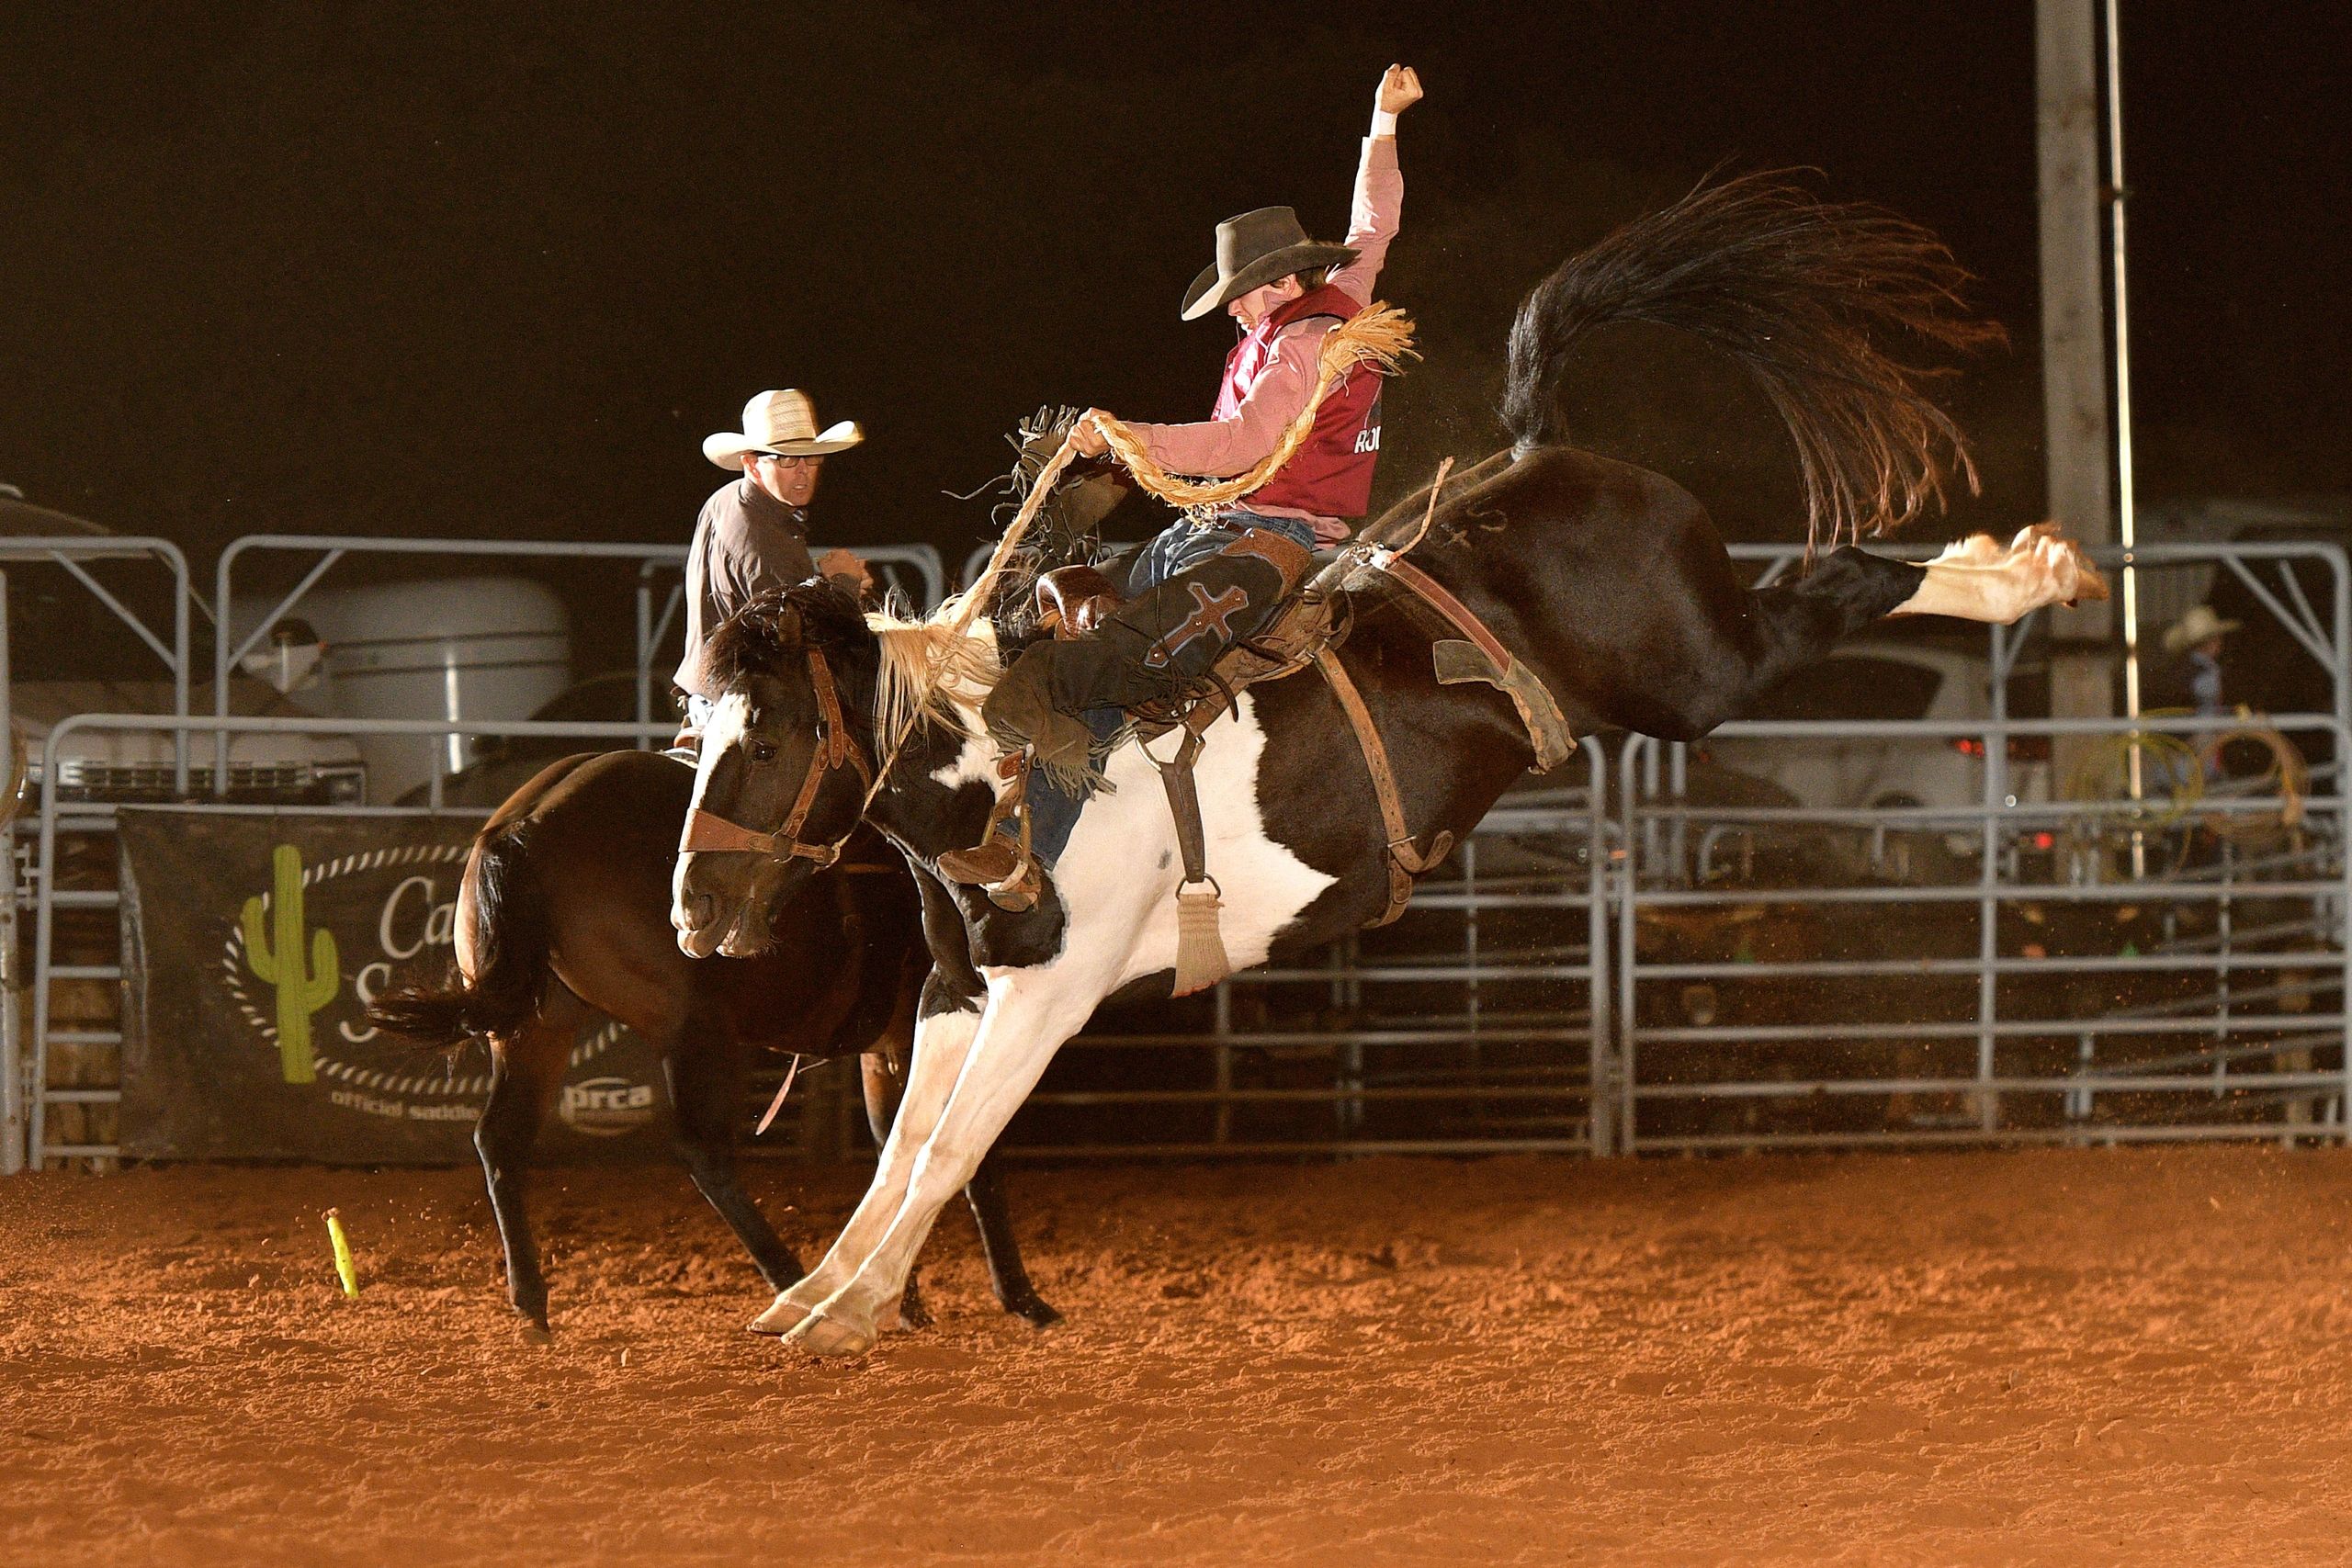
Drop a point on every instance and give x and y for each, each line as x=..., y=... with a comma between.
x=314, y=266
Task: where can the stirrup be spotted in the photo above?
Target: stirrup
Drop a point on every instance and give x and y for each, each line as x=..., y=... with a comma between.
x=1020, y=886
x=1021, y=889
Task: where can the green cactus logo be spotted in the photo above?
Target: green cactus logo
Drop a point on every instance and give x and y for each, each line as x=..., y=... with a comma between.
x=275, y=955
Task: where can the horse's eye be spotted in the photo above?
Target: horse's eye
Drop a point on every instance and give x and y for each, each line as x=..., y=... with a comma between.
x=762, y=751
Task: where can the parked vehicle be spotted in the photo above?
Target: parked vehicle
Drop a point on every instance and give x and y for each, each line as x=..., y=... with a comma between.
x=1882, y=679
x=1888, y=680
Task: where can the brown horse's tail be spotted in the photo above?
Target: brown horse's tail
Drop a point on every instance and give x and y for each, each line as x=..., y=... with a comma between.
x=502, y=953
x=1803, y=293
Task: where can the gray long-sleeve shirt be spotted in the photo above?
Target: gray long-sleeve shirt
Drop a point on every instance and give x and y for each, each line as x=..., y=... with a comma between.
x=746, y=542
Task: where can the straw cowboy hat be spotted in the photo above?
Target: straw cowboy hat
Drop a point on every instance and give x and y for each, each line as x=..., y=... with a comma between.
x=1254, y=249
x=2201, y=624
x=782, y=423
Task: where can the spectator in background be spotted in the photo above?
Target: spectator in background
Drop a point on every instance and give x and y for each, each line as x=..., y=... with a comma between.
x=2189, y=679
x=2192, y=676
x=754, y=534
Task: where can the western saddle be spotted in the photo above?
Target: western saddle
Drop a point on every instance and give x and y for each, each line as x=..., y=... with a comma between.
x=1308, y=632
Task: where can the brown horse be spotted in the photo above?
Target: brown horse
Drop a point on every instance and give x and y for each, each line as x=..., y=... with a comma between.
x=564, y=914
x=1608, y=585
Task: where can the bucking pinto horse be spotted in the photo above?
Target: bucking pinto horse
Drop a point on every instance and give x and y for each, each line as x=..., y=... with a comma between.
x=1609, y=584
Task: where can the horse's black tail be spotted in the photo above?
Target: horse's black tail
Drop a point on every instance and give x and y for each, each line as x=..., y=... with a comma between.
x=1793, y=288
x=508, y=944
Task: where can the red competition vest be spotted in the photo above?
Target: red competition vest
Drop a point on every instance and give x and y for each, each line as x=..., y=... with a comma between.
x=1330, y=475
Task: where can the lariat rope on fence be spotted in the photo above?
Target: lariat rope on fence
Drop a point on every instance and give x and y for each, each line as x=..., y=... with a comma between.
x=2185, y=762
x=1379, y=335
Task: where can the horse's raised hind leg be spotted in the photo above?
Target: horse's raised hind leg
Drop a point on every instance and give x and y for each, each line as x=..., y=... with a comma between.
x=1687, y=646
x=704, y=1070
x=1030, y=1013
x=1978, y=580
x=527, y=1069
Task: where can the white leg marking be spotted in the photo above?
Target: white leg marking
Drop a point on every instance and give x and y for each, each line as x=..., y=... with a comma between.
x=942, y=1043
x=1030, y=1013
x=1976, y=579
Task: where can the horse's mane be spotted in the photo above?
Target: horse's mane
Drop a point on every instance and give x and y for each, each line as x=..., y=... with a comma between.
x=919, y=664
x=927, y=667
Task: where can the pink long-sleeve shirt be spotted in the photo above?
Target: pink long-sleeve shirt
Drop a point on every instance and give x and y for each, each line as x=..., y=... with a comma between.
x=1222, y=447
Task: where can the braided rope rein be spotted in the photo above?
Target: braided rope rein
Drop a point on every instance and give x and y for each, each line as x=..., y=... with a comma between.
x=1378, y=334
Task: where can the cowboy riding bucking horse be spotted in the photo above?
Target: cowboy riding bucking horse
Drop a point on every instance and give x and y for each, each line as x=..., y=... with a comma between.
x=1214, y=576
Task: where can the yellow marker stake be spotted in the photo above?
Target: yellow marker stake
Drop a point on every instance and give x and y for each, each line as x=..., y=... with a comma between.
x=345, y=1268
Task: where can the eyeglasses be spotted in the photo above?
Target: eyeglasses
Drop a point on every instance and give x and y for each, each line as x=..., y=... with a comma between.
x=781, y=461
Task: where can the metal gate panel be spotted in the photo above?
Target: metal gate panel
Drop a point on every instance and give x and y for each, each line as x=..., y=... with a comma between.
x=1479, y=1022
x=2046, y=995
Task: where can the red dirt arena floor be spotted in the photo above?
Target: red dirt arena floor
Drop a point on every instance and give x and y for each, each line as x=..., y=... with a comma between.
x=2079, y=1358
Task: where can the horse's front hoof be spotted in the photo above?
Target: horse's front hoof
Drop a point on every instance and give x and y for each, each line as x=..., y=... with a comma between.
x=820, y=1334
x=784, y=1316
x=536, y=1333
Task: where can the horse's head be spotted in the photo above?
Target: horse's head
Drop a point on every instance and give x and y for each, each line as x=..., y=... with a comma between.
x=786, y=759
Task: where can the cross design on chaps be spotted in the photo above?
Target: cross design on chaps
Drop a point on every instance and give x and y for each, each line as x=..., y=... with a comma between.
x=1208, y=614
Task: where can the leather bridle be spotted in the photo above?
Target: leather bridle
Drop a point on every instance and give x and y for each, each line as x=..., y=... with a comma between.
x=709, y=833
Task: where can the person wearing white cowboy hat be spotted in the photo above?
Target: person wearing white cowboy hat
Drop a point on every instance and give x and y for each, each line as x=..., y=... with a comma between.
x=2200, y=629
x=752, y=533
x=1286, y=292
x=2195, y=671
x=780, y=424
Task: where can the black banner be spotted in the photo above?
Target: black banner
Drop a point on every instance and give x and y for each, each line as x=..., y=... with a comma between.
x=252, y=941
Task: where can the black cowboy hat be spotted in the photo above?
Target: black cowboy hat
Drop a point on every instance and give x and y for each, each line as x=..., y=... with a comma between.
x=1252, y=251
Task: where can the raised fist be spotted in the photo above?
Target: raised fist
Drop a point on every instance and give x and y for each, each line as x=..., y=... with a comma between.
x=1400, y=88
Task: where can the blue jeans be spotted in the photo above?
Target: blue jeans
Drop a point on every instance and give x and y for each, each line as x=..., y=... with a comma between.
x=1053, y=811
x=1180, y=545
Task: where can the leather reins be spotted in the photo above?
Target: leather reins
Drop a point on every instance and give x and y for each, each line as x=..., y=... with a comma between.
x=709, y=833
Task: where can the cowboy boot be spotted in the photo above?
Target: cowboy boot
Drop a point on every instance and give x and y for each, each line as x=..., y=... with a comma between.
x=1003, y=870
x=1002, y=867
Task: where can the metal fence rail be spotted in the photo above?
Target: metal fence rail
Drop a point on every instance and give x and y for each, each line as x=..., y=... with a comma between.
x=1634, y=968
x=2044, y=994
x=1480, y=1021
